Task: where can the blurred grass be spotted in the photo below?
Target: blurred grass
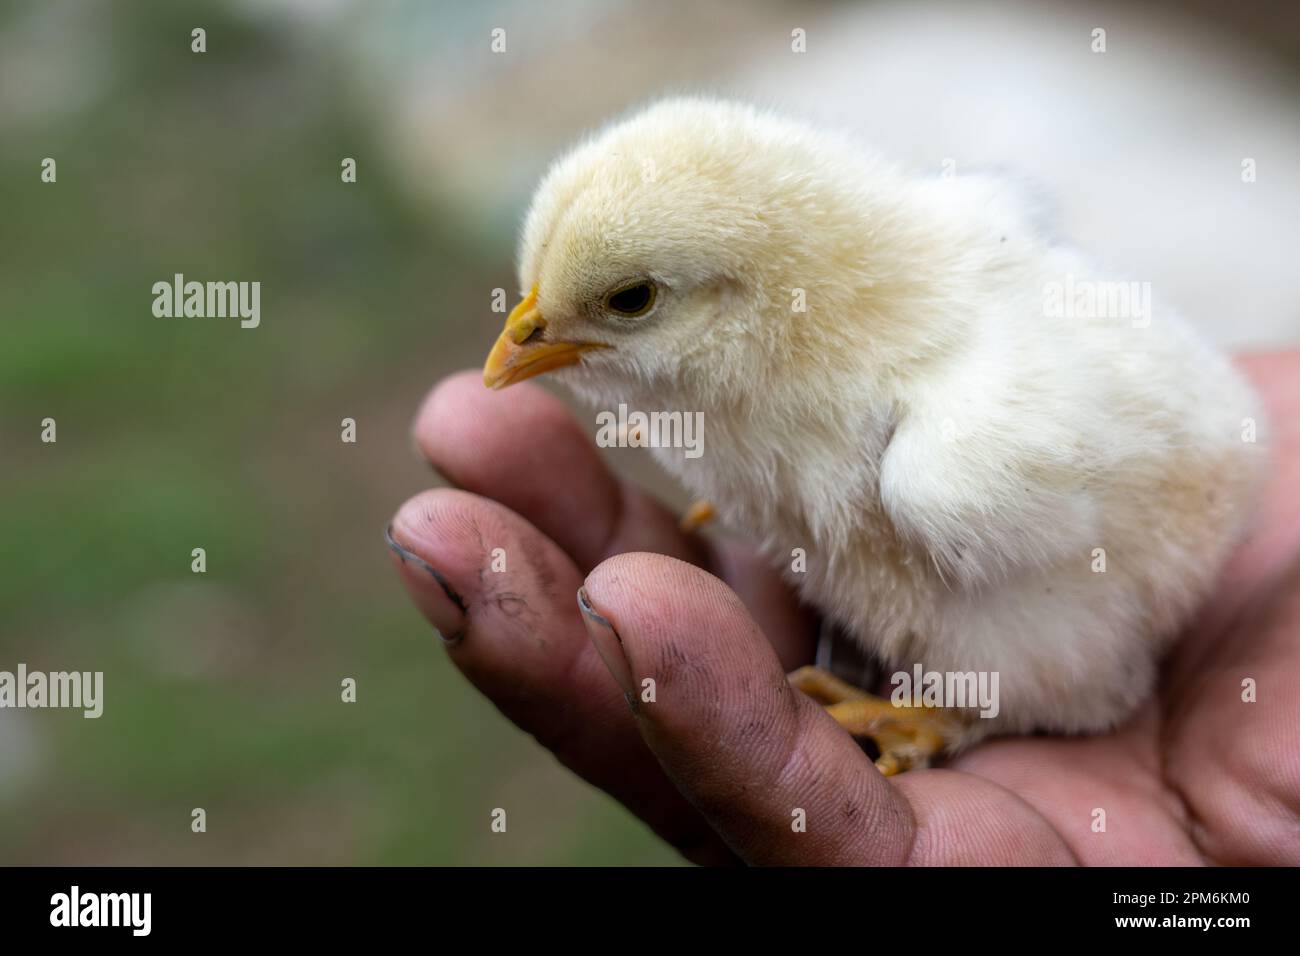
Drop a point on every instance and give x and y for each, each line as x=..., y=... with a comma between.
x=222, y=690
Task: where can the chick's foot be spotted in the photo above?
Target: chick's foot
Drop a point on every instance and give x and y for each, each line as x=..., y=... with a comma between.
x=823, y=686
x=907, y=737
x=697, y=516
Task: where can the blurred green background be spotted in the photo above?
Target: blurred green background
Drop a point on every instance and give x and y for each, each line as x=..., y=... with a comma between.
x=223, y=689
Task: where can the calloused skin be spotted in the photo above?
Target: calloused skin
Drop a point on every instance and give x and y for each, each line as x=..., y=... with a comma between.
x=722, y=758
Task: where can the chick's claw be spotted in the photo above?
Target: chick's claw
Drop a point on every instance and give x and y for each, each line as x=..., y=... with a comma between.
x=697, y=516
x=907, y=737
x=823, y=686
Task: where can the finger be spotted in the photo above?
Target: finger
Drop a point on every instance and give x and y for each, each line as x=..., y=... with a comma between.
x=510, y=623
x=1231, y=752
x=757, y=758
x=753, y=755
x=788, y=625
x=1273, y=538
x=524, y=448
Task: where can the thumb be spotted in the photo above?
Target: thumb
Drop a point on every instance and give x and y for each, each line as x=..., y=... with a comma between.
x=769, y=770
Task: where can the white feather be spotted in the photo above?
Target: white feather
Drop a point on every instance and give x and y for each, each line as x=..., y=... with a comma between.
x=949, y=453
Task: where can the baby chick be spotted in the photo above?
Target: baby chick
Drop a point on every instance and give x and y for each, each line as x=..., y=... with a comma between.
x=987, y=468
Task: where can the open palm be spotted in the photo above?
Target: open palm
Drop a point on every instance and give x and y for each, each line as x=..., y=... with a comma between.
x=728, y=763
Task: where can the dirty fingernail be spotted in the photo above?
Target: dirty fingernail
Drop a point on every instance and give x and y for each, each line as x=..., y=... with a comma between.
x=609, y=646
x=444, y=608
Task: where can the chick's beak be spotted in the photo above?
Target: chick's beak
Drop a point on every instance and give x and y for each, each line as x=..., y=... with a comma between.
x=520, y=351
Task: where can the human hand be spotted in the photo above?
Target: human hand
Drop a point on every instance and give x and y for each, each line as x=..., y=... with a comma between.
x=718, y=764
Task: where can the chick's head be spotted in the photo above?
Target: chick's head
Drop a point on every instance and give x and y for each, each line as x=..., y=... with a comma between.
x=670, y=247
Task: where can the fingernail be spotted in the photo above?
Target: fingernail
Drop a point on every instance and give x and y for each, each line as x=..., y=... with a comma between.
x=445, y=608
x=609, y=646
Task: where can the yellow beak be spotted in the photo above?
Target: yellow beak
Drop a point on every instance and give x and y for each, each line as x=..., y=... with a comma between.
x=520, y=353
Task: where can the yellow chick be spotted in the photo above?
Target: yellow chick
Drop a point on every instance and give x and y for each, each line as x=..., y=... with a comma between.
x=993, y=461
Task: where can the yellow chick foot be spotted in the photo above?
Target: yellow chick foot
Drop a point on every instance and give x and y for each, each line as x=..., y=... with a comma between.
x=823, y=686
x=631, y=436
x=907, y=737
x=697, y=516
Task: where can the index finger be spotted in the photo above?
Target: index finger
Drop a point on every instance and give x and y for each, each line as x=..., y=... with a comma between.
x=775, y=775
x=524, y=448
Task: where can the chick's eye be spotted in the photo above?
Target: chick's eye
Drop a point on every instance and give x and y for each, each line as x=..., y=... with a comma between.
x=632, y=300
